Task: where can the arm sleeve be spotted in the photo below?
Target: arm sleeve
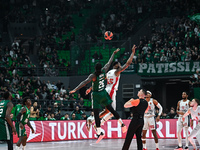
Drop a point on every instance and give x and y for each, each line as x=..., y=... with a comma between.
x=160, y=109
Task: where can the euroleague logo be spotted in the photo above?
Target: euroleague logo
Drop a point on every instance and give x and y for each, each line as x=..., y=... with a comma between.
x=38, y=131
x=38, y=134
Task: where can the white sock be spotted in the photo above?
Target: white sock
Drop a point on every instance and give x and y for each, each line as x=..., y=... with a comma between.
x=157, y=145
x=98, y=130
x=144, y=145
x=23, y=147
x=17, y=147
x=120, y=121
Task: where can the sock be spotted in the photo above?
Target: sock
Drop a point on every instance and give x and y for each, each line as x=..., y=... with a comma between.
x=23, y=147
x=106, y=118
x=157, y=145
x=144, y=145
x=17, y=147
x=98, y=130
x=120, y=121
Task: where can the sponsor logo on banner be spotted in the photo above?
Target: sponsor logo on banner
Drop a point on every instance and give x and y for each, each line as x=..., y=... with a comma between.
x=76, y=130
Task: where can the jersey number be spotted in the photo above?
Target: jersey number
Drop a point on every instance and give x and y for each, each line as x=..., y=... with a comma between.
x=110, y=81
x=1, y=111
x=101, y=84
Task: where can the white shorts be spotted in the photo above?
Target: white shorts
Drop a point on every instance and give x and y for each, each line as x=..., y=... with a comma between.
x=112, y=96
x=183, y=124
x=149, y=122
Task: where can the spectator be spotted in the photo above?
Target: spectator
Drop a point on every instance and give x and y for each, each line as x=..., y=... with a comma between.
x=77, y=112
x=73, y=116
x=34, y=112
x=95, y=55
x=52, y=116
x=164, y=116
x=84, y=116
x=66, y=117
x=131, y=116
x=172, y=113
x=57, y=111
x=59, y=84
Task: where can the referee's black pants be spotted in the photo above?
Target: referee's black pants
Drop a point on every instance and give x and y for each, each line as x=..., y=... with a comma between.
x=135, y=127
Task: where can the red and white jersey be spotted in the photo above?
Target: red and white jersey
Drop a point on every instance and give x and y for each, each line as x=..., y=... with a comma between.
x=195, y=113
x=184, y=106
x=151, y=109
x=112, y=81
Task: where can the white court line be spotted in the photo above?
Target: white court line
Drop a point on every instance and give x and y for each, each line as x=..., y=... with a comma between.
x=50, y=147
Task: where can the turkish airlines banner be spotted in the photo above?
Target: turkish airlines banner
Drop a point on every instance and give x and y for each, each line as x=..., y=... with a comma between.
x=76, y=130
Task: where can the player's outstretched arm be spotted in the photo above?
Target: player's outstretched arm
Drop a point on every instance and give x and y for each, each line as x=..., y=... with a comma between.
x=129, y=61
x=186, y=114
x=83, y=83
x=106, y=67
x=8, y=119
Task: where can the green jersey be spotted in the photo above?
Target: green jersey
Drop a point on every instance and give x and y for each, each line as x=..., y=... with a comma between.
x=3, y=108
x=17, y=110
x=63, y=118
x=100, y=83
x=25, y=116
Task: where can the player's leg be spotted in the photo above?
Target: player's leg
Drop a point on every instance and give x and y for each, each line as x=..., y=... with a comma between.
x=179, y=129
x=186, y=138
x=19, y=133
x=24, y=142
x=145, y=128
x=10, y=142
x=103, y=113
x=129, y=136
x=155, y=138
x=116, y=115
x=144, y=132
x=110, y=115
x=192, y=134
x=98, y=127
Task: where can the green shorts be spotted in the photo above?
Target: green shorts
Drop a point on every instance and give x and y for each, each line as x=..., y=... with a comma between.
x=20, y=132
x=100, y=98
x=5, y=133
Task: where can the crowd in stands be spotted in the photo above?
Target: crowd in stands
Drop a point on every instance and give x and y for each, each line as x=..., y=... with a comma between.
x=13, y=58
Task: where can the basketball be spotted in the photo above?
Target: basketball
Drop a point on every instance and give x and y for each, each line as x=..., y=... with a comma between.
x=108, y=35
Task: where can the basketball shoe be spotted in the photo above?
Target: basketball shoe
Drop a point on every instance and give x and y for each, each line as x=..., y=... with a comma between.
x=157, y=148
x=100, y=137
x=178, y=148
x=186, y=148
x=144, y=149
x=124, y=129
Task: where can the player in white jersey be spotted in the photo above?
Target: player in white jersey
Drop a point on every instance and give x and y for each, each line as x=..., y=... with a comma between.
x=194, y=110
x=113, y=77
x=149, y=119
x=182, y=107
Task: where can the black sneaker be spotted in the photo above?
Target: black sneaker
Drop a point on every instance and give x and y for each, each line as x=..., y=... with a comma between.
x=178, y=148
x=186, y=148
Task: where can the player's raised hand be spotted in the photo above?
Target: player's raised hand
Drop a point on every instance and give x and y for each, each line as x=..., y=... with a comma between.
x=117, y=50
x=87, y=91
x=133, y=48
x=71, y=92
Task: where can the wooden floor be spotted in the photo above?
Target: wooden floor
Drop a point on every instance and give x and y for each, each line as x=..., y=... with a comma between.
x=105, y=144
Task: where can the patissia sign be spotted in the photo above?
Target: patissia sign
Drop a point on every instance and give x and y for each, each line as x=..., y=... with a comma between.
x=173, y=68
x=76, y=130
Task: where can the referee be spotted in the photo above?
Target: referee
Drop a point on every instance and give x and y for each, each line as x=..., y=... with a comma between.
x=135, y=127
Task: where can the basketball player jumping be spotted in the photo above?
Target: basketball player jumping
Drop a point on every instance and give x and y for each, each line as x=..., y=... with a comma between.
x=99, y=95
x=182, y=107
x=22, y=119
x=113, y=77
x=149, y=120
x=194, y=110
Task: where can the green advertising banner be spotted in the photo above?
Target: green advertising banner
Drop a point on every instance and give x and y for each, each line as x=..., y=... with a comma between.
x=165, y=69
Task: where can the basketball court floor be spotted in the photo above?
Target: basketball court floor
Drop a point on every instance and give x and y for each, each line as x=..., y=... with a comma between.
x=105, y=144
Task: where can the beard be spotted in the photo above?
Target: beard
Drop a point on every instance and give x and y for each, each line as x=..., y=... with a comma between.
x=184, y=98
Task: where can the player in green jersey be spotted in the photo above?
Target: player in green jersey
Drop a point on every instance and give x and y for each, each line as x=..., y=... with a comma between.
x=17, y=110
x=6, y=124
x=99, y=94
x=22, y=120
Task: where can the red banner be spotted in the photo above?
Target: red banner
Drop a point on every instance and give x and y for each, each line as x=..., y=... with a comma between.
x=76, y=130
